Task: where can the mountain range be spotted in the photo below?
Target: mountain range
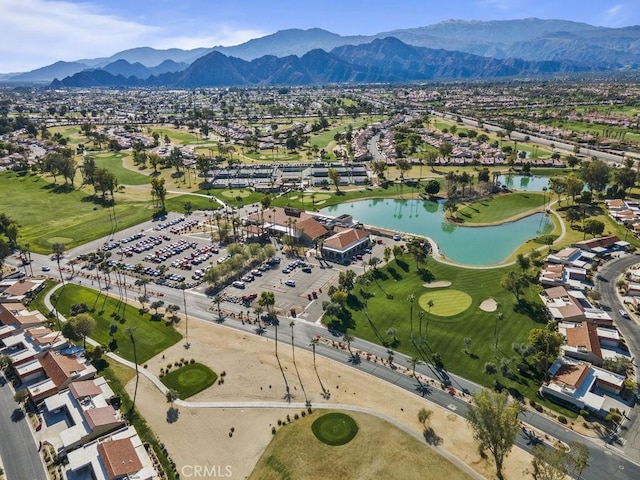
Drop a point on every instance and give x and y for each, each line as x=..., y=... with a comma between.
x=575, y=46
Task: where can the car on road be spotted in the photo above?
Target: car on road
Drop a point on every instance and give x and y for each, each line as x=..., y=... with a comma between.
x=290, y=283
x=306, y=269
x=624, y=313
x=46, y=268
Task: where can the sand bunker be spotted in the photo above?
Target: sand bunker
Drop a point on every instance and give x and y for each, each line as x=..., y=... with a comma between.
x=440, y=284
x=489, y=305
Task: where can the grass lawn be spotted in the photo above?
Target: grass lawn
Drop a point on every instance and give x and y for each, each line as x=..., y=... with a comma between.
x=387, y=307
x=151, y=336
x=189, y=379
x=376, y=452
x=335, y=428
x=113, y=162
x=176, y=204
x=500, y=207
x=46, y=213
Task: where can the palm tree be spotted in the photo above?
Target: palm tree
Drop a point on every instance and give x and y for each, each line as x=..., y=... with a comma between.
x=313, y=342
x=414, y=362
x=429, y=304
x=218, y=300
x=58, y=251
x=129, y=332
x=420, y=319
x=411, y=299
x=171, y=396
x=348, y=338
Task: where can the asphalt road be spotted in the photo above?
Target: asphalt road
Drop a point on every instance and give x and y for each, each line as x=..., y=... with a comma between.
x=18, y=451
x=606, y=283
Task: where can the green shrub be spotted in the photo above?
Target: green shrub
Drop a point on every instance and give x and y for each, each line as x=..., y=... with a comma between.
x=562, y=419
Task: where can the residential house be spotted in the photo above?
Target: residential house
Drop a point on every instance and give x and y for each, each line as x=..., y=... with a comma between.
x=60, y=371
x=573, y=306
x=27, y=345
x=120, y=455
x=554, y=274
x=603, y=246
x=86, y=406
x=19, y=290
x=582, y=386
x=574, y=257
x=21, y=317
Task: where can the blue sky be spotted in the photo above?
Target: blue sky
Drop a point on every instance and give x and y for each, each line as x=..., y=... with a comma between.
x=35, y=33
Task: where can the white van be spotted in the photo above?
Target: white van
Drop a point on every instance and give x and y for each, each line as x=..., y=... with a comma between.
x=238, y=284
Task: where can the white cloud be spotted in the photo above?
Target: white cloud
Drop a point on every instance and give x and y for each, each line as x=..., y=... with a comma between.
x=614, y=15
x=220, y=35
x=37, y=32
x=499, y=4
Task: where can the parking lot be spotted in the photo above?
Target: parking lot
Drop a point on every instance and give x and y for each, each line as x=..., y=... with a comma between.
x=177, y=250
x=295, y=283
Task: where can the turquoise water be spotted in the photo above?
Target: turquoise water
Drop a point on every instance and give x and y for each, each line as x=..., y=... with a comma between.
x=466, y=245
x=521, y=182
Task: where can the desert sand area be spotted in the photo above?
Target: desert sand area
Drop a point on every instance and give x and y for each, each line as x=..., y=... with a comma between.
x=201, y=436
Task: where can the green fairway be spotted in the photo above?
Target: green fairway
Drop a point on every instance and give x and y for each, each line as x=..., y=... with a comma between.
x=46, y=213
x=500, y=207
x=189, y=379
x=446, y=303
x=151, y=336
x=335, y=428
x=385, y=297
x=113, y=162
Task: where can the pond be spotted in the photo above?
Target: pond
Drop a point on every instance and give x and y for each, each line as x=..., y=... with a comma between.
x=466, y=245
x=523, y=182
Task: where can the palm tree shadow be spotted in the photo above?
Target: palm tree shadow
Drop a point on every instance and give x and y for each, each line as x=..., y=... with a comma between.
x=431, y=437
x=422, y=389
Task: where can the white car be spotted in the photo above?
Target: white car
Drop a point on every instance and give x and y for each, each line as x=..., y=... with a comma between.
x=624, y=313
x=46, y=268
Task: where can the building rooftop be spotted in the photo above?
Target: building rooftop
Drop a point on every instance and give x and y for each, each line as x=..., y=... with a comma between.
x=119, y=458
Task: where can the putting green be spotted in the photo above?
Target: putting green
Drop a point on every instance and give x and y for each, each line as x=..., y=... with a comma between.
x=53, y=240
x=190, y=379
x=235, y=193
x=446, y=302
x=335, y=428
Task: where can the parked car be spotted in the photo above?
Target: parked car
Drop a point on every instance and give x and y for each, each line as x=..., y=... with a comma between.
x=238, y=284
x=290, y=283
x=46, y=268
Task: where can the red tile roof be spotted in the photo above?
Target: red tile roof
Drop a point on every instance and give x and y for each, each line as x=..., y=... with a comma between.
x=119, y=458
x=60, y=368
x=585, y=336
x=342, y=240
